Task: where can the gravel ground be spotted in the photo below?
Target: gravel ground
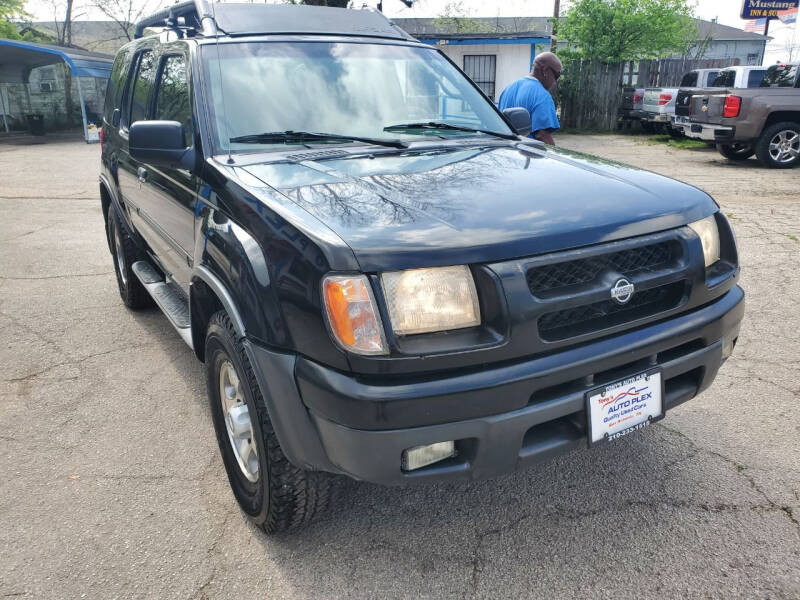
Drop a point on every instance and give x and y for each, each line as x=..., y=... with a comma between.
x=112, y=486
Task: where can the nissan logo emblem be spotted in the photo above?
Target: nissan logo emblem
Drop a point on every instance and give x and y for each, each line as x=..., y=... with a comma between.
x=622, y=291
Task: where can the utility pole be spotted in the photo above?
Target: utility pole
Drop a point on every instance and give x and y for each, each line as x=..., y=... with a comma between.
x=556, y=11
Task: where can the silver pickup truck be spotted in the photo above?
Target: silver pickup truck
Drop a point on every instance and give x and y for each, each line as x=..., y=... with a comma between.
x=764, y=121
x=659, y=103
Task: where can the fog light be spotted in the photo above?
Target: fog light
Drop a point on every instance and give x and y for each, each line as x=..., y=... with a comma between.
x=422, y=456
x=727, y=347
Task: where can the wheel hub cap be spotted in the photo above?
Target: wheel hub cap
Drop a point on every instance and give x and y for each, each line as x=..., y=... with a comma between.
x=784, y=147
x=237, y=421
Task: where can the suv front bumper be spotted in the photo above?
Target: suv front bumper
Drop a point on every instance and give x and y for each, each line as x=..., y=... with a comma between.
x=347, y=424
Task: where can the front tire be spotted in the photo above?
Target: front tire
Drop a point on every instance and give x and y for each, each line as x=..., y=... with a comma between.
x=275, y=494
x=125, y=252
x=736, y=151
x=779, y=145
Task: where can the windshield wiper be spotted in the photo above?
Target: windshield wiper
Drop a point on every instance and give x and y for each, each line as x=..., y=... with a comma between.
x=440, y=125
x=271, y=137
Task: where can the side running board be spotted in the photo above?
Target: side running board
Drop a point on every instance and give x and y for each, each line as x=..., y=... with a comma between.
x=171, y=303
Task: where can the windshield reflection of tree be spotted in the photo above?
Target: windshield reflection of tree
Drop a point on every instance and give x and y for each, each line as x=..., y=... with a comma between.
x=407, y=196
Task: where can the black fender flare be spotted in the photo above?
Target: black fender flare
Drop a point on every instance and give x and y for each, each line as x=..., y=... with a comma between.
x=274, y=371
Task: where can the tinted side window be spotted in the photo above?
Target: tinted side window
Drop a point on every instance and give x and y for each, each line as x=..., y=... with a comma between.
x=780, y=76
x=725, y=79
x=172, y=98
x=712, y=75
x=142, y=87
x=754, y=78
x=116, y=84
x=689, y=80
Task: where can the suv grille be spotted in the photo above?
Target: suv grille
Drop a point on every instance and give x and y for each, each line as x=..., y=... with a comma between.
x=585, y=270
x=579, y=320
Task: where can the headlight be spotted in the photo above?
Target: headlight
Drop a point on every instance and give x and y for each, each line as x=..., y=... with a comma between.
x=708, y=233
x=352, y=317
x=425, y=300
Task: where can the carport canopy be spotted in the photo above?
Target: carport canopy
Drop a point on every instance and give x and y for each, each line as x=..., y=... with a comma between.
x=18, y=58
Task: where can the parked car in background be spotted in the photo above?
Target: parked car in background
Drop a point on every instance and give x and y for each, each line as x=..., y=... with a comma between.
x=764, y=121
x=732, y=77
x=630, y=110
x=659, y=103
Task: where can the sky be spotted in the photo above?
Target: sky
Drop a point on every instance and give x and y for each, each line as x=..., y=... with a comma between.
x=726, y=11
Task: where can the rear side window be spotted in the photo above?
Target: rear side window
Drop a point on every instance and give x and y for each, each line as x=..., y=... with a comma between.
x=712, y=75
x=725, y=79
x=689, y=80
x=755, y=78
x=142, y=87
x=173, y=102
x=780, y=76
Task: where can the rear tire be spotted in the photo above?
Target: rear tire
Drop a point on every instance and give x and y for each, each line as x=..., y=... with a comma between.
x=275, y=494
x=779, y=145
x=736, y=151
x=647, y=126
x=125, y=252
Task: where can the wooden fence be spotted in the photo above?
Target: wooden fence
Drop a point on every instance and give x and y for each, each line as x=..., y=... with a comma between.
x=590, y=92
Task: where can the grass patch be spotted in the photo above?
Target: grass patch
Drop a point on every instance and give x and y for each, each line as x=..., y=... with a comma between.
x=792, y=237
x=683, y=143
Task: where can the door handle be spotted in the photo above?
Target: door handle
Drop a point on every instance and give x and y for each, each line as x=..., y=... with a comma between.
x=142, y=173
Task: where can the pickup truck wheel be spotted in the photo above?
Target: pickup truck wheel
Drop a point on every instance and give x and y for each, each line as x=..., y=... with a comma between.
x=736, y=151
x=275, y=495
x=779, y=145
x=125, y=252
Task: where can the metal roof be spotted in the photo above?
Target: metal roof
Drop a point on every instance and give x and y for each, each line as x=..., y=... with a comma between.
x=523, y=27
x=17, y=58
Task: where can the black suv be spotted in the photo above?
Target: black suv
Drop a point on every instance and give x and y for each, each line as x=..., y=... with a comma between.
x=383, y=278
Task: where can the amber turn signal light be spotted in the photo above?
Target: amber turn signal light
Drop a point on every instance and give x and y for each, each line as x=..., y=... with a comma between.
x=352, y=316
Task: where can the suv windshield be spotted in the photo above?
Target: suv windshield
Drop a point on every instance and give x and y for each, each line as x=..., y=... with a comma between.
x=346, y=89
x=780, y=76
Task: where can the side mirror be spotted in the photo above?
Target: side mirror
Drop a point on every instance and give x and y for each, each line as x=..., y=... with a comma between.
x=160, y=143
x=520, y=119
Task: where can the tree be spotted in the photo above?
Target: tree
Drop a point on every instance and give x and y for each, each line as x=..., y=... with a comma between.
x=454, y=19
x=126, y=13
x=11, y=12
x=791, y=50
x=64, y=13
x=618, y=30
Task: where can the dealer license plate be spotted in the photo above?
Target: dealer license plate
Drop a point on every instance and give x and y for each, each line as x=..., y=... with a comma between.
x=624, y=406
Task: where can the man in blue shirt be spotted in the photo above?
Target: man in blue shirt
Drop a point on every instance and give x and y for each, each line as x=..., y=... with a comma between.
x=533, y=93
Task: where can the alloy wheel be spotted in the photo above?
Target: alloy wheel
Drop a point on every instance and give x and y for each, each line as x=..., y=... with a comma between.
x=784, y=147
x=237, y=421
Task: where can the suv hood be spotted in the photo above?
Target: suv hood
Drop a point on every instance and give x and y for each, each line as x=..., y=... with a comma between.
x=457, y=205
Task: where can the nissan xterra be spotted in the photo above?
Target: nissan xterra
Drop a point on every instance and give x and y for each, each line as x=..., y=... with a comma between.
x=383, y=277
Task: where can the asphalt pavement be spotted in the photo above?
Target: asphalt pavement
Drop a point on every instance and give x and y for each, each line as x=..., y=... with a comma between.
x=112, y=486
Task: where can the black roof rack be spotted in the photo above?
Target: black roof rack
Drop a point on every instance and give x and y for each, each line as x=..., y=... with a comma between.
x=196, y=17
